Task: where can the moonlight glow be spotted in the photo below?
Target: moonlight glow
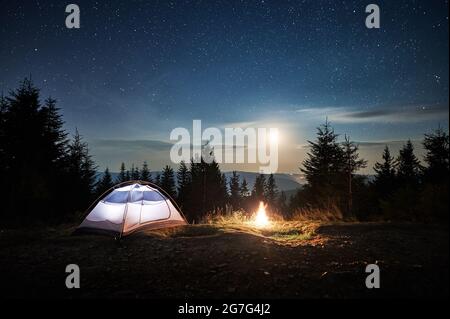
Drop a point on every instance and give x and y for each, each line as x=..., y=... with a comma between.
x=274, y=136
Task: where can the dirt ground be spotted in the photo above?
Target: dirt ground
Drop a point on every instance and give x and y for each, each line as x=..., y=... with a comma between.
x=215, y=262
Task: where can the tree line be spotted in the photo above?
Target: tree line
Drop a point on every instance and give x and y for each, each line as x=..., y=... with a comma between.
x=201, y=188
x=402, y=188
x=50, y=176
x=46, y=175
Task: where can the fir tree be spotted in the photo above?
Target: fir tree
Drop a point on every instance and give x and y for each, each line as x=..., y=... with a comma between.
x=436, y=146
x=145, y=174
x=82, y=170
x=243, y=190
x=385, y=178
x=105, y=183
x=259, y=188
x=352, y=164
x=157, y=180
x=168, y=181
x=53, y=133
x=323, y=169
x=282, y=204
x=135, y=174
x=122, y=177
x=184, y=181
x=271, y=192
x=235, y=191
x=408, y=166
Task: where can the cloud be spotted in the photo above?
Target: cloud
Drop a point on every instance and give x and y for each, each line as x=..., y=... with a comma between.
x=131, y=145
x=393, y=114
x=399, y=114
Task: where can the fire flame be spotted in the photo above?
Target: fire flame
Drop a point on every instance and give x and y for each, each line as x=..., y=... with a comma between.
x=261, y=218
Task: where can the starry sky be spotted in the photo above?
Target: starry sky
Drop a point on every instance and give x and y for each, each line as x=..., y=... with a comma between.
x=136, y=70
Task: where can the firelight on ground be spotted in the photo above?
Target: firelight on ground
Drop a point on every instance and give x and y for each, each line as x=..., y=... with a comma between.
x=261, y=218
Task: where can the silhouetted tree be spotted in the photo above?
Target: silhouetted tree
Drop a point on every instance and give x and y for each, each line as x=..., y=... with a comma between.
x=434, y=201
x=135, y=174
x=271, y=191
x=168, y=181
x=244, y=191
x=33, y=148
x=385, y=180
x=282, y=205
x=157, y=180
x=323, y=169
x=436, y=146
x=82, y=172
x=184, y=182
x=145, y=174
x=259, y=188
x=105, y=183
x=235, y=191
x=54, y=136
x=208, y=188
x=404, y=204
x=408, y=166
x=352, y=164
x=122, y=177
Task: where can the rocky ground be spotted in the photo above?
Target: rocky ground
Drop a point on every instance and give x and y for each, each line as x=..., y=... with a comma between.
x=205, y=261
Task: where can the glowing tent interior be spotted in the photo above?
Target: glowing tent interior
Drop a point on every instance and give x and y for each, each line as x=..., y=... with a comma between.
x=129, y=207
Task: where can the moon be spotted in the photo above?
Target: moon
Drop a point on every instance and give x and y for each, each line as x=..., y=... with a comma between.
x=274, y=136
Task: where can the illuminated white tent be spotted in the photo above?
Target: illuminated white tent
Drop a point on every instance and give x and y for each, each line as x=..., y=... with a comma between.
x=130, y=207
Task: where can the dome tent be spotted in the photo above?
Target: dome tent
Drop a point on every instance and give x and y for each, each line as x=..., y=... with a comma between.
x=129, y=207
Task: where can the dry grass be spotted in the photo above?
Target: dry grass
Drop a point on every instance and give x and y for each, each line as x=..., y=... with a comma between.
x=333, y=214
x=279, y=229
x=301, y=229
x=238, y=221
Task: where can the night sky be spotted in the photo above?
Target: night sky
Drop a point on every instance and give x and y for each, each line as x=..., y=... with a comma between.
x=138, y=69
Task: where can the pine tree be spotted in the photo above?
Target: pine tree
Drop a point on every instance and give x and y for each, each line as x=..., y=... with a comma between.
x=157, y=180
x=436, y=146
x=385, y=178
x=105, y=183
x=259, y=188
x=270, y=190
x=235, y=191
x=223, y=190
x=352, y=164
x=82, y=170
x=184, y=181
x=135, y=174
x=243, y=190
x=53, y=133
x=323, y=169
x=122, y=177
x=168, y=181
x=145, y=174
x=28, y=155
x=282, y=204
x=434, y=196
x=209, y=191
x=408, y=166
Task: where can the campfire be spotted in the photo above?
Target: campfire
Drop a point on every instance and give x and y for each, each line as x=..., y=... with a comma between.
x=261, y=218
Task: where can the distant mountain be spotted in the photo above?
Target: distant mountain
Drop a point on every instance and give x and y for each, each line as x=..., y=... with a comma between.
x=285, y=182
x=288, y=183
